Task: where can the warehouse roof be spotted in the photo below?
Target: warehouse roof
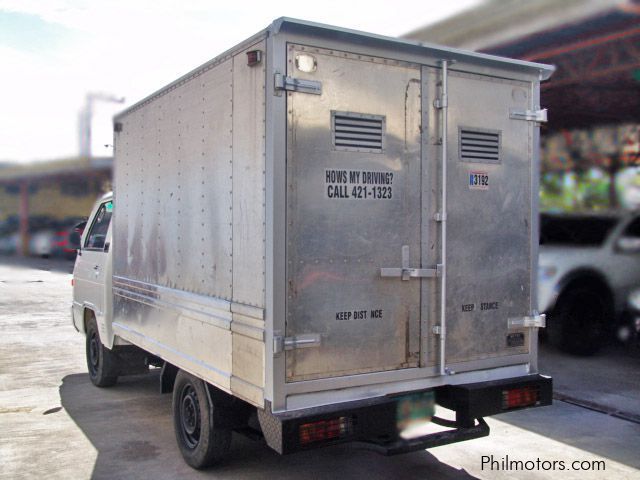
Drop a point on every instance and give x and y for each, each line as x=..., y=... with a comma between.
x=593, y=44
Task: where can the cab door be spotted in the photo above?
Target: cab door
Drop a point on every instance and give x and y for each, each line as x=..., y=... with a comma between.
x=91, y=267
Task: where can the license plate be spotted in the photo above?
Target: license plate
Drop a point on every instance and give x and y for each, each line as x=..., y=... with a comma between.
x=415, y=409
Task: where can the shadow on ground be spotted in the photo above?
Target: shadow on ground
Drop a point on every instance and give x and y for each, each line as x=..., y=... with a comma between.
x=130, y=426
x=609, y=382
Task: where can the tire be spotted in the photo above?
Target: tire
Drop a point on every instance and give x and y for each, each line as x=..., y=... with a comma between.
x=578, y=320
x=102, y=363
x=201, y=443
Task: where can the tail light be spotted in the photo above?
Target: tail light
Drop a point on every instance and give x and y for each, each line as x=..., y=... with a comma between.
x=325, y=430
x=61, y=239
x=520, y=397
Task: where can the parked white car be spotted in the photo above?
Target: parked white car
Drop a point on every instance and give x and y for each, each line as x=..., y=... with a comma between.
x=589, y=264
x=41, y=243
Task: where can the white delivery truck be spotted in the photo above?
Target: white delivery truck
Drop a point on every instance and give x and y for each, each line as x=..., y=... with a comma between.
x=318, y=235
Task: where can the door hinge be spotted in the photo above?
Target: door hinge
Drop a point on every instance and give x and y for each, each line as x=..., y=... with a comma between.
x=440, y=217
x=539, y=116
x=281, y=343
x=291, y=84
x=441, y=102
x=537, y=320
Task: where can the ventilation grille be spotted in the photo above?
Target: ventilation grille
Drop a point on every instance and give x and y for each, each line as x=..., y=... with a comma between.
x=358, y=132
x=481, y=146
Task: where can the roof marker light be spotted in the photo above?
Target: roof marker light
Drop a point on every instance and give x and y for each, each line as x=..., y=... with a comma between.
x=306, y=63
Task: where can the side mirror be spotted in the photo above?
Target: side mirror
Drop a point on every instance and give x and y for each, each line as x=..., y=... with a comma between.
x=75, y=236
x=628, y=244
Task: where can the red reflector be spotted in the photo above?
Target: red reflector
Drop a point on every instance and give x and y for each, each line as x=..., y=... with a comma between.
x=254, y=57
x=324, y=430
x=72, y=282
x=520, y=397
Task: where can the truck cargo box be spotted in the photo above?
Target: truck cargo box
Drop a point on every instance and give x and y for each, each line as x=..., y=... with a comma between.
x=320, y=215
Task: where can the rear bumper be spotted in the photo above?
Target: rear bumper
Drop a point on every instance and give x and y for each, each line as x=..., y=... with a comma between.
x=372, y=423
x=459, y=434
x=477, y=400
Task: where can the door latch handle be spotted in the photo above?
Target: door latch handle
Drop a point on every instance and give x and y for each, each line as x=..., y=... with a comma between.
x=535, y=320
x=405, y=272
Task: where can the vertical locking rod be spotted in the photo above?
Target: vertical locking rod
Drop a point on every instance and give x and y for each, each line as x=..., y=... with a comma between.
x=405, y=262
x=444, y=104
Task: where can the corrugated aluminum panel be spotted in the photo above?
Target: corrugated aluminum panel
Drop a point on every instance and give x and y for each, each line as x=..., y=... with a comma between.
x=248, y=181
x=179, y=222
x=248, y=325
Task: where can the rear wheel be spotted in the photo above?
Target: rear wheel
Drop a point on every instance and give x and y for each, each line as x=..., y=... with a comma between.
x=201, y=442
x=102, y=363
x=577, y=323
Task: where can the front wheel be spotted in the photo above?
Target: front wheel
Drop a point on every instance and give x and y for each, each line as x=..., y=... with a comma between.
x=201, y=443
x=102, y=363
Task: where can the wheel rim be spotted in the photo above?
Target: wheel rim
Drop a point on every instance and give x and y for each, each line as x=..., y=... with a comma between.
x=94, y=354
x=190, y=416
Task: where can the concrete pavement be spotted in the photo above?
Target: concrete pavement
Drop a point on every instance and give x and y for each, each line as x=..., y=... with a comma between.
x=608, y=381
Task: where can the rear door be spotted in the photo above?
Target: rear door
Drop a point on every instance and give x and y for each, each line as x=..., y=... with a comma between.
x=489, y=219
x=353, y=215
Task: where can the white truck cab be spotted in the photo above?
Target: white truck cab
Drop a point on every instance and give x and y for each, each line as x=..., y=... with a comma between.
x=92, y=272
x=92, y=308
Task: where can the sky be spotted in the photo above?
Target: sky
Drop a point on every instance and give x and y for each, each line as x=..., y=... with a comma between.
x=52, y=52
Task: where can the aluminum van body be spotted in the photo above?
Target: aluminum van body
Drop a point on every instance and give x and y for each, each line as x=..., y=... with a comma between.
x=320, y=219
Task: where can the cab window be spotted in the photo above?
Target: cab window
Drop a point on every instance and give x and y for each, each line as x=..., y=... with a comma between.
x=98, y=232
x=629, y=241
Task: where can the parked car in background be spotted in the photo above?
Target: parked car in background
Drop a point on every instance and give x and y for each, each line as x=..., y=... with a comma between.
x=41, y=243
x=9, y=243
x=589, y=264
x=48, y=237
x=60, y=241
x=41, y=230
x=9, y=235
